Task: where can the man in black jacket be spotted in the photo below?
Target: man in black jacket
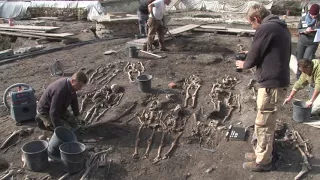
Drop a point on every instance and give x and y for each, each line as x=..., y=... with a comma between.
x=52, y=110
x=270, y=54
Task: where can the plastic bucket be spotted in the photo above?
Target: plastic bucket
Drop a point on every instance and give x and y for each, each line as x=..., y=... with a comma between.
x=133, y=51
x=35, y=155
x=144, y=83
x=60, y=136
x=300, y=112
x=73, y=156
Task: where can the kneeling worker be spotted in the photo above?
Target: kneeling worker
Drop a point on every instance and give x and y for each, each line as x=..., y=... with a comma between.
x=310, y=75
x=52, y=109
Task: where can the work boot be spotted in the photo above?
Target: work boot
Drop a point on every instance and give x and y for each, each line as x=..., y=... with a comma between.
x=164, y=49
x=254, y=167
x=250, y=156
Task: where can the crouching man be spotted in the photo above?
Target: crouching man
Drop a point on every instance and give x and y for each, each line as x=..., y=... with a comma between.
x=52, y=108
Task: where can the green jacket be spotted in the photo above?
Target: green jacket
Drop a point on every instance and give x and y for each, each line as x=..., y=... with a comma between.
x=313, y=80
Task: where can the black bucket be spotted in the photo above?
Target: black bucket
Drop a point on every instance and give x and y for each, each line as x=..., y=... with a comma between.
x=35, y=155
x=300, y=112
x=133, y=51
x=60, y=136
x=73, y=156
x=144, y=83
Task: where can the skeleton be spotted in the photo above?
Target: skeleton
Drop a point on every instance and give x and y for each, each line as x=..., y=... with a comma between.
x=173, y=144
x=20, y=132
x=107, y=79
x=193, y=82
x=93, y=162
x=305, y=164
x=161, y=145
x=10, y=173
x=136, y=154
x=131, y=68
x=149, y=141
x=94, y=74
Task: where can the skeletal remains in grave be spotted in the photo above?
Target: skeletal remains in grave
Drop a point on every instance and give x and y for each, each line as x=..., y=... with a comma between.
x=193, y=82
x=104, y=97
x=132, y=68
x=156, y=121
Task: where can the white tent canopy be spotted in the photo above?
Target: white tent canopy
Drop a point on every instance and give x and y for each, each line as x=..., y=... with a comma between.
x=18, y=9
x=214, y=5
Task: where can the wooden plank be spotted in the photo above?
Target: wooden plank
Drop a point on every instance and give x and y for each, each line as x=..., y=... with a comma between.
x=212, y=27
x=41, y=28
x=20, y=30
x=25, y=35
x=183, y=29
x=143, y=41
x=46, y=18
x=60, y=35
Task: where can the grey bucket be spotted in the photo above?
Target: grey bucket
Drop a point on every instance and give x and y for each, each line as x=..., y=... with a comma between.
x=300, y=112
x=144, y=83
x=60, y=136
x=35, y=155
x=73, y=156
x=133, y=51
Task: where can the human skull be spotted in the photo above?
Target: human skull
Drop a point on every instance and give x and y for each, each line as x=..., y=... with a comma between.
x=115, y=88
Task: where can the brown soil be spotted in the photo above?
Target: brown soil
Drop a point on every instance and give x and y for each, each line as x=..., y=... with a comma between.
x=211, y=58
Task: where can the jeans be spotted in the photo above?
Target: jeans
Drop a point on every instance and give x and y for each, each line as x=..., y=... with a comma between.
x=143, y=19
x=305, y=51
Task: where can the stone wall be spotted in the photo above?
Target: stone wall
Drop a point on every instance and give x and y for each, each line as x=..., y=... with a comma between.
x=78, y=13
x=114, y=28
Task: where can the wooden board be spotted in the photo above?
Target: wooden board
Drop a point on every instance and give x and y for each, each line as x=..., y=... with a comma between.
x=141, y=42
x=41, y=28
x=60, y=35
x=183, y=29
x=20, y=30
x=25, y=35
x=212, y=27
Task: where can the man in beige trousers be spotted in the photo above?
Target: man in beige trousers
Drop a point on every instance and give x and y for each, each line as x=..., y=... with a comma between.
x=156, y=23
x=270, y=53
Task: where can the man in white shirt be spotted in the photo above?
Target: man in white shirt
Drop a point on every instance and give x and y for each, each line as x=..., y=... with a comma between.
x=156, y=23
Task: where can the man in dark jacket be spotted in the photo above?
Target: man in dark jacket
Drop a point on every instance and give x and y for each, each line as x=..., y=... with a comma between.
x=143, y=15
x=270, y=54
x=52, y=110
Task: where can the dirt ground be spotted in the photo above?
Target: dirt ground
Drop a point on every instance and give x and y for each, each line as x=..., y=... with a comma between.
x=208, y=57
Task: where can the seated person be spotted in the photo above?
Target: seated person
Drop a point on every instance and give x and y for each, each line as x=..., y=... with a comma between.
x=52, y=108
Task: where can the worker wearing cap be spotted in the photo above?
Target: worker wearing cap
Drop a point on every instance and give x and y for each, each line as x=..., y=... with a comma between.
x=52, y=108
x=156, y=23
x=310, y=76
x=307, y=29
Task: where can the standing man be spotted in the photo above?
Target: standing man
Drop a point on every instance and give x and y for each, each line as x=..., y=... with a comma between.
x=52, y=110
x=156, y=23
x=270, y=54
x=143, y=15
